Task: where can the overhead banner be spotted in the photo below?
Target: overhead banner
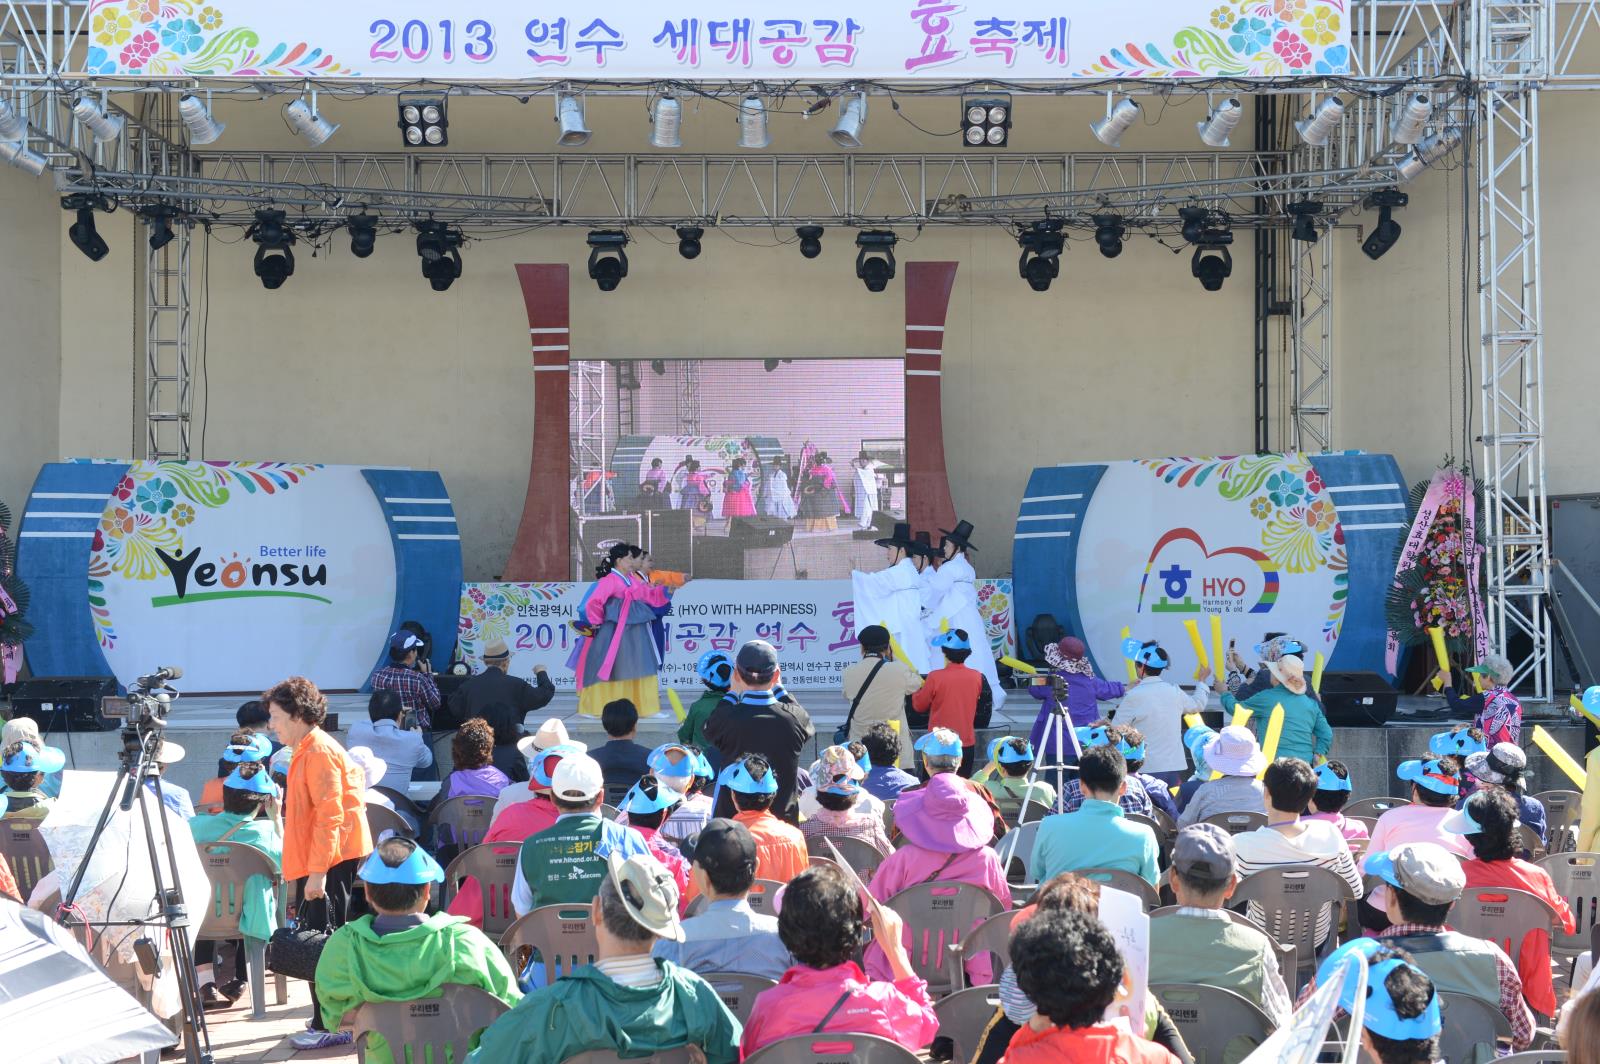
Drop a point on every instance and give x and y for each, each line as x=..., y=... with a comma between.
x=621, y=40
x=810, y=622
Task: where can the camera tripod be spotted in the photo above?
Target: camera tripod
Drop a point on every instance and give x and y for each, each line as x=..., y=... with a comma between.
x=1057, y=730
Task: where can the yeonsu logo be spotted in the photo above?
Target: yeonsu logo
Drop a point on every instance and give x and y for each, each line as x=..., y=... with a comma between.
x=237, y=579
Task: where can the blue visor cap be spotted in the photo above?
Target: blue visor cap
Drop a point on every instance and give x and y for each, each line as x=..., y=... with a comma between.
x=954, y=639
x=1130, y=753
x=542, y=768
x=1333, y=962
x=1001, y=751
x=715, y=668
x=259, y=748
x=1152, y=657
x=1197, y=736
x=1380, y=1016
x=1382, y=866
x=637, y=801
x=417, y=869
x=1282, y=645
x=1461, y=743
x=673, y=759
x=1088, y=737
x=737, y=777
x=1429, y=775
x=930, y=746
x=30, y=758
x=841, y=785
x=260, y=783
x=702, y=766
x=865, y=760
x=1328, y=780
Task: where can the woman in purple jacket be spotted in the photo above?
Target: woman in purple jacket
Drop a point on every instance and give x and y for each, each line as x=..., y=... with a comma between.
x=1073, y=684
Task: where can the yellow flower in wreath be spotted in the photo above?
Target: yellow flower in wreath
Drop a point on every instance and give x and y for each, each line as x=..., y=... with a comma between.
x=1260, y=507
x=145, y=10
x=112, y=26
x=209, y=18
x=1320, y=26
x=1320, y=515
x=1223, y=17
x=183, y=514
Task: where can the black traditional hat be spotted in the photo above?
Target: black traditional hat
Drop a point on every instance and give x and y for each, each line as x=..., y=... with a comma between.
x=924, y=545
x=901, y=538
x=961, y=535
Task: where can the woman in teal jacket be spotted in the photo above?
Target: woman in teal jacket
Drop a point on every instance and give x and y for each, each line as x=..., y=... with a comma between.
x=245, y=796
x=1305, y=733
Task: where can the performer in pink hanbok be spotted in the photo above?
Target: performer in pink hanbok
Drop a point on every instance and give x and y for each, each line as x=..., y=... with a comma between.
x=619, y=658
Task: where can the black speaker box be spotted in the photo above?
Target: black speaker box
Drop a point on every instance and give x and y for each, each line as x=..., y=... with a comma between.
x=669, y=539
x=1358, y=699
x=758, y=533
x=65, y=703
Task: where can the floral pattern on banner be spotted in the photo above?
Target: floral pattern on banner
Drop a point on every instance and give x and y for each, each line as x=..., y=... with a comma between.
x=1300, y=528
x=1248, y=38
x=181, y=36
x=145, y=514
x=486, y=616
x=994, y=606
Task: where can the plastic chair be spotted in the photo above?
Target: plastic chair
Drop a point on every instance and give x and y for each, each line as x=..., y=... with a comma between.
x=833, y=1049
x=1562, y=812
x=1126, y=882
x=1164, y=839
x=1033, y=811
x=1237, y=823
x=1164, y=821
x=888, y=821
x=1501, y=915
x=441, y=1025
x=562, y=935
x=494, y=866
x=1374, y=807
x=1472, y=1027
x=760, y=898
x=679, y=1055
x=1370, y=822
x=462, y=821
x=1577, y=879
x=1292, y=899
x=23, y=845
x=381, y=818
x=1016, y=850
x=993, y=936
x=964, y=1016
x=611, y=812
x=1209, y=1018
x=937, y=915
x=1531, y=846
x=861, y=856
x=402, y=801
x=738, y=990
x=228, y=866
x=1535, y=1056
x=1285, y=954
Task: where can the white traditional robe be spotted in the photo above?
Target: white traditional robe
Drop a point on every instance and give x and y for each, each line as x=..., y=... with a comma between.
x=866, y=500
x=951, y=594
x=893, y=598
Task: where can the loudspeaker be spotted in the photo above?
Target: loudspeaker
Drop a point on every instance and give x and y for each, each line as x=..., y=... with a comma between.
x=668, y=539
x=597, y=535
x=65, y=703
x=1358, y=699
x=759, y=533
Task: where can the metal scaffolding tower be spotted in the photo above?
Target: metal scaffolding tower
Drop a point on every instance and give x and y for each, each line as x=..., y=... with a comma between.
x=168, y=375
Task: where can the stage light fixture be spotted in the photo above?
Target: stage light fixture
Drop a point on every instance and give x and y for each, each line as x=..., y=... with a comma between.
x=852, y=121
x=1118, y=119
x=666, y=124
x=1304, y=214
x=1109, y=233
x=1212, y=263
x=274, y=262
x=83, y=234
x=1040, y=261
x=1194, y=223
x=689, y=241
x=202, y=125
x=363, y=234
x=424, y=120
x=1386, y=233
x=1211, y=266
x=439, y=247
x=810, y=240
x=875, y=258
x=570, y=111
x=1319, y=126
x=159, y=219
x=307, y=123
x=1411, y=116
x=12, y=127
x=1430, y=151
x=18, y=154
x=100, y=123
x=753, y=123
x=1220, y=122
x=608, y=262
x=985, y=121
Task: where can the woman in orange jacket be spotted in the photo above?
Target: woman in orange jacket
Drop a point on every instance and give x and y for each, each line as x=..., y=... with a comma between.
x=325, y=834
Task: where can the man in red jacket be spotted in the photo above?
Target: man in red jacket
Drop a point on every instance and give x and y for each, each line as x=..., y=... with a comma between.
x=950, y=695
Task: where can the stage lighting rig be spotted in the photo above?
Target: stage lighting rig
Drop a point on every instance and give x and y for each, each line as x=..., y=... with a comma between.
x=83, y=234
x=1304, y=214
x=1316, y=129
x=689, y=241
x=1387, y=232
x=875, y=258
x=1411, y=116
x=159, y=219
x=753, y=123
x=1219, y=123
x=102, y=124
x=1109, y=233
x=1428, y=152
x=608, y=262
x=308, y=123
x=1210, y=232
x=203, y=128
x=570, y=116
x=666, y=124
x=1118, y=119
x=1040, y=261
x=274, y=262
x=424, y=120
x=439, y=247
x=852, y=121
x=363, y=234
x=810, y=240
x=985, y=121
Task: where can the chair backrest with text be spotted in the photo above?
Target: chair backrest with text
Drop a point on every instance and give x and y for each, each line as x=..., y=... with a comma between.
x=494, y=866
x=461, y=822
x=438, y=1028
x=1214, y=1022
x=562, y=935
x=1292, y=899
x=1501, y=915
x=23, y=846
x=738, y=990
x=1577, y=879
x=1237, y=823
x=938, y=915
x=1562, y=811
x=833, y=1048
x=228, y=866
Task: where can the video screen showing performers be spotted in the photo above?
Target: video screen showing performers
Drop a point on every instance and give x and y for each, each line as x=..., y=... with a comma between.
x=738, y=469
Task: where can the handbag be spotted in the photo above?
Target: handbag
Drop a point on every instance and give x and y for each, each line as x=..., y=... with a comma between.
x=295, y=950
x=841, y=734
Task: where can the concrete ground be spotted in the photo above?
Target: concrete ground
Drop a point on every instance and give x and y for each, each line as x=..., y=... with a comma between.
x=237, y=1039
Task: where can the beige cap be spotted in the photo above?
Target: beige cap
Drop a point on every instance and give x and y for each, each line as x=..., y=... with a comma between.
x=1425, y=870
x=647, y=892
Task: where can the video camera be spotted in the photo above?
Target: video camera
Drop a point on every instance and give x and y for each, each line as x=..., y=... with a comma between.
x=145, y=707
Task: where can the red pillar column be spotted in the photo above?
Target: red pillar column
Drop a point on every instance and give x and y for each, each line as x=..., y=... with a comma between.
x=542, y=548
x=929, y=505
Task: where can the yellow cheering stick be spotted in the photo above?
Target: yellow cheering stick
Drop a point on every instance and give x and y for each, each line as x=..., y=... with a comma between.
x=1563, y=760
x=677, y=704
x=1192, y=626
x=1274, y=733
x=1133, y=674
x=1437, y=635
x=1316, y=672
x=1219, y=662
x=1020, y=666
x=1192, y=720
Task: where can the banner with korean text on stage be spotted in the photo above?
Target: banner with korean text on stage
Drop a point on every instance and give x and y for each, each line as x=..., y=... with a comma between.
x=811, y=622
x=736, y=40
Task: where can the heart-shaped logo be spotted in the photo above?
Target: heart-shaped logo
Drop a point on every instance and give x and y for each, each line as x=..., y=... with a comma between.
x=1178, y=584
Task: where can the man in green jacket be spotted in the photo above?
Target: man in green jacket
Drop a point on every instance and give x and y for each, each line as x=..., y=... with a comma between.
x=401, y=954
x=626, y=1001
x=1305, y=733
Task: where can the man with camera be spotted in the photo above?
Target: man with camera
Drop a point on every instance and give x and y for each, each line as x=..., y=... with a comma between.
x=415, y=687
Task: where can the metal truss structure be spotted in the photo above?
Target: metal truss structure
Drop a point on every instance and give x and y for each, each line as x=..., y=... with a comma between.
x=1484, y=64
x=588, y=415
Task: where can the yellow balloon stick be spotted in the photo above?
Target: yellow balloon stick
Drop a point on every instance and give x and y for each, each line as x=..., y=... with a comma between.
x=1219, y=661
x=1439, y=652
x=1477, y=683
x=895, y=724
x=1192, y=720
x=1274, y=733
x=1563, y=760
x=944, y=624
x=677, y=704
x=1020, y=666
x=1316, y=672
x=894, y=644
x=1133, y=675
x=1192, y=626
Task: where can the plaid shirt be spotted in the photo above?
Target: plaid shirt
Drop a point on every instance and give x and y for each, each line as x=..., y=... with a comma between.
x=1136, y=800
x=1511, y=1002
x=415, y=688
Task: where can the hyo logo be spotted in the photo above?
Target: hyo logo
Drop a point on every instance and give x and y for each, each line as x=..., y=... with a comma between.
x=239, y=579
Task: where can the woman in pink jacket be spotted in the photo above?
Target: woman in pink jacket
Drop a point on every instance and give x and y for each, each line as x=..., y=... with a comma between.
x=819, y=922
